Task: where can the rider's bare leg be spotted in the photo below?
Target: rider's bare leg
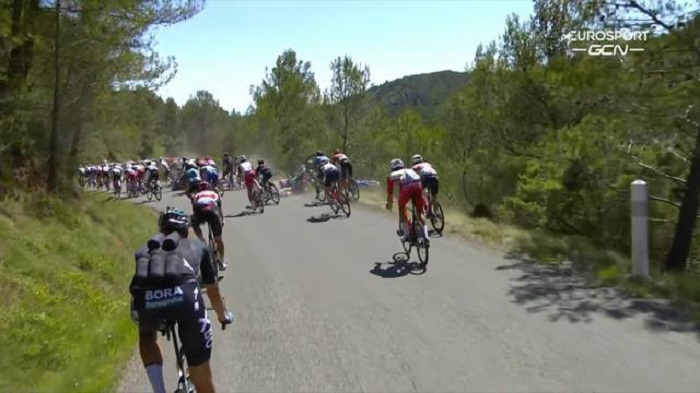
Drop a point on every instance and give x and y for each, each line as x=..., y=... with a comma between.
x=198, y=232
x=202, y=378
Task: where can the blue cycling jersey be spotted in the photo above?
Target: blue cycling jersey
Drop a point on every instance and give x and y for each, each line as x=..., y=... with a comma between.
x=193, y=175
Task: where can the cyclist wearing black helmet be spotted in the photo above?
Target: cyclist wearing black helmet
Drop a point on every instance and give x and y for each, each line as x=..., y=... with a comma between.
x=321, y=159
x=227, y=162
x=173, y=293
x=265, y=173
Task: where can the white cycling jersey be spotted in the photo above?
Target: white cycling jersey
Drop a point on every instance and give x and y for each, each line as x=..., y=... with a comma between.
x=328, y=168
x=404, y=176
x=246, y=166
x=425, y=169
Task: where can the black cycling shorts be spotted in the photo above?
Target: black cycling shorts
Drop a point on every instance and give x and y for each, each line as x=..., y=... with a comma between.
x=183, y=305
x=332, y=177
x=432, y=184
x=201, y=216
x=345, y=170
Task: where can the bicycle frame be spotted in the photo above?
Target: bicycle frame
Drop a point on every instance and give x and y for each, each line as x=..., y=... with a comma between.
x=184, y=384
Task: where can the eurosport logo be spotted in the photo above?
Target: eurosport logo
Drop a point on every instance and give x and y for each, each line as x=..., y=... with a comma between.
x=606, y=42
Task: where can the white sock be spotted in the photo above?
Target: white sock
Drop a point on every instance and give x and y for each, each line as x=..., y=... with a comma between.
x=155, y=375
x=425, y=231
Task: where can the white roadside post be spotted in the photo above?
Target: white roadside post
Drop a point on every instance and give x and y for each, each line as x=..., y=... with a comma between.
x=640, y=228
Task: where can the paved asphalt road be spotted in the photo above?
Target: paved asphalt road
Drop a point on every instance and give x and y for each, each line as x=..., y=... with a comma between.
x=319, y=308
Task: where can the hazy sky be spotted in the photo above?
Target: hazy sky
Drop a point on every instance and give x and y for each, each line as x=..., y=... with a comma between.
x=225, y=48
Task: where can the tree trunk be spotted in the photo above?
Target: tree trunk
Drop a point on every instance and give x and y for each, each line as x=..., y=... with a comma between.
x=677, y=257
x=346, y=126
x=52, y=181
x=75, y=145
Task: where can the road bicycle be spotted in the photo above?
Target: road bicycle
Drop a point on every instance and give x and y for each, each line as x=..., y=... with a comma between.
x=416, y=239
x=218, y=263
x=117, y=188
x=337, y=200
x=435, y=213
x=153, y=189
x=271, y=193
x=258, y=198
x=184, y=383
x=352, y=191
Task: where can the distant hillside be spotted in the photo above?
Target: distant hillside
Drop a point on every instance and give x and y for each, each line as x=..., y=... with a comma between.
x=424, y=92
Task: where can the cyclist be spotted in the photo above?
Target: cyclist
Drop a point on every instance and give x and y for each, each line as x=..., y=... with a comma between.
x=227, y=162
x=320, y=157
x=182, y=302
x=193, y=179
x=211, y=174
x=428, y=175
x=343, y=161
x=117, y=176
x=410, y=189
x=206, y=205
x=152, y=173
x=247, y=173
x=331, y=173
x=131, y=178
x=263, y=171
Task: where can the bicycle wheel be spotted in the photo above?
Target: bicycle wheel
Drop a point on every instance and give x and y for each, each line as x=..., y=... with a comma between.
x=437, y=219
x=422, y=247
x=322, y=197
x=354, y=190
x=214, y=252
x=333, y=201
x=274, y=194
x=344, y=204
x=158, y=193
x=149, y=193
x=260, y=201
x=407, y=246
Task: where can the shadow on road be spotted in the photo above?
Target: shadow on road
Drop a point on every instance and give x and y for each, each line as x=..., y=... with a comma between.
x=315, y=204
x=325, y=217
x=243, y=213
x=561, y=294
x=434, y=234
x=398, y=267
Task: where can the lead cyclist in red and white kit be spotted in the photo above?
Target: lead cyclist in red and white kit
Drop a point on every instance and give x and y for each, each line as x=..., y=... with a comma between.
x=342, y=161
x=428, y=176
x=247, y=173
x=410, y=189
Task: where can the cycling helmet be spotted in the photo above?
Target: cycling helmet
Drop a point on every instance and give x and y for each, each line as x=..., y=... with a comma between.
x=396, y=164
x=319, y=154
x=241, y=159
x=225, y=154
x=203, y=186
x=173, y=220
x=417, y=159
x=344, y=160
x=337, y=151
x=322, y=161
x=261, y=162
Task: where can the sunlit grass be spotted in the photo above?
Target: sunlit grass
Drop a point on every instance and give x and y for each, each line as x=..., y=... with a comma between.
x=64, y=276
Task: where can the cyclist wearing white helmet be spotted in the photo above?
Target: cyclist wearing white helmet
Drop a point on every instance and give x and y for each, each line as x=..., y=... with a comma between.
x=410, y=189
x=247, y=173
x=428, y=175
x=330, y=172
